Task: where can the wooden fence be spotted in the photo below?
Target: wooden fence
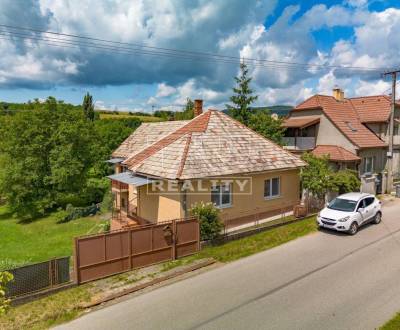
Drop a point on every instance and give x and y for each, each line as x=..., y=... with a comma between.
x=102, y=255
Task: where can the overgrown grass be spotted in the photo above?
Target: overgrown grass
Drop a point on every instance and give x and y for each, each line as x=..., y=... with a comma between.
x=393, y=324
x=41, y=239
x=46, y=312
x=125, y=116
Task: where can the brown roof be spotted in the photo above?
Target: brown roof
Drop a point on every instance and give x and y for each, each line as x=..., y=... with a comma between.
x=344, y=116
x=300, y=122
x=335, y=153
x=372, y=109
x=212, y=144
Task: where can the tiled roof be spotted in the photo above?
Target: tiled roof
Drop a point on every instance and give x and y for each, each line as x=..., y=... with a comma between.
x=212, y=144
x=335, y=153
x=300, y=122
x=346, y=119
x=310, y=103
x=372, y=109
x=145, y=135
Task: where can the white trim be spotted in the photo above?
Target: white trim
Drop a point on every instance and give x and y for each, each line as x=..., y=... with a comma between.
x=220, y=193
x=279, y=195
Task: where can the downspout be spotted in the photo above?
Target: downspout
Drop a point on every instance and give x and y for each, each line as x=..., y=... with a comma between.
x=183, y=200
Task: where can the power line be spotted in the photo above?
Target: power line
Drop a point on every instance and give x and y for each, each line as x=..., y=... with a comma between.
x=103, y=44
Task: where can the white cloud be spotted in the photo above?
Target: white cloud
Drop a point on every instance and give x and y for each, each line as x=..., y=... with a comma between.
x=164, y=90
x=366, y=88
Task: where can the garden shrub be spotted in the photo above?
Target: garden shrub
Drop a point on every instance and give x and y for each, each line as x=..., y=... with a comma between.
x=210, y=223
x=79, y=212
x=346, y=181
x=5, y=277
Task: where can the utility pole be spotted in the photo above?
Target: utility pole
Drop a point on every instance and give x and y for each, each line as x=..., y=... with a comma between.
x=389, y=185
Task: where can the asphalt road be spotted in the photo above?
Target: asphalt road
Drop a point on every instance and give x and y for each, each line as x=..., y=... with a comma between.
x=321, y=281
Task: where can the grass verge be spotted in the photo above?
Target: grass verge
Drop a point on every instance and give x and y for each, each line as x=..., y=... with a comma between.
x=65, y=306
x=247, y=246
x=393, y=324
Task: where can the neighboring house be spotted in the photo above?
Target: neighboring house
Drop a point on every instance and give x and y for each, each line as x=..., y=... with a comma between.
x=162, y=169
x=353, y=132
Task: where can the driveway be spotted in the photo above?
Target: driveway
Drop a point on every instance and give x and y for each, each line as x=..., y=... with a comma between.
x=322, y=281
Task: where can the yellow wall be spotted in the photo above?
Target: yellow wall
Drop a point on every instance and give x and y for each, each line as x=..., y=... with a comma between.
x=158, y=206
x=162, y=206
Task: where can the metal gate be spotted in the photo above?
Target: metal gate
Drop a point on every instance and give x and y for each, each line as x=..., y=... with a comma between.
x=101, y=255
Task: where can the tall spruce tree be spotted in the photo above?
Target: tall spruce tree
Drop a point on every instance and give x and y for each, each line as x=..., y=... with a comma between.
x=88, y=107
x=243, y=97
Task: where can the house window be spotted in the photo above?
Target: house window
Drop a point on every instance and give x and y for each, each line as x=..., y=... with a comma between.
x=368, y=163
x=272, y=188
x=221, y=195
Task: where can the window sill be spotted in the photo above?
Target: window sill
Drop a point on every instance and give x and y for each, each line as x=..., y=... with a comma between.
x=271, y=198
x=227, y=206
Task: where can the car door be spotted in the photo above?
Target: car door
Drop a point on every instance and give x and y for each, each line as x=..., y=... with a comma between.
x=370, y=207
x=362, y=210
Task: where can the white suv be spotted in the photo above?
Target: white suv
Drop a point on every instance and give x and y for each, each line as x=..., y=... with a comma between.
x=350, y=211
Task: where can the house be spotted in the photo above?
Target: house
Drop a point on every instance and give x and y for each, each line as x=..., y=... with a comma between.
x=163, y=168
x=353, y=132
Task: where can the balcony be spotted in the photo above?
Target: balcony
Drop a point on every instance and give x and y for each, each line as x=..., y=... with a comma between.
x=299, y=143
x=119, y=186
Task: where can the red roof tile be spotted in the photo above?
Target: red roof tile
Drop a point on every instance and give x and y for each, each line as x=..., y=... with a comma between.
x=372, y=109
x=344, y=116
x=335, y=153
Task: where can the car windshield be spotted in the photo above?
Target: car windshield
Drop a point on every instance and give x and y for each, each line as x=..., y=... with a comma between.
x=341, y=204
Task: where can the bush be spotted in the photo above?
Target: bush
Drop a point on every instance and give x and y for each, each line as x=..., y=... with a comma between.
x=210, y=223
x=5, y=277
x=346, y=181
x=79, y=212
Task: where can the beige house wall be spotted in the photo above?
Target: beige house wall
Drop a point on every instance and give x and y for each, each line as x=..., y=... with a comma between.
x=159, y=206
x=330, y=135
x=162, y=206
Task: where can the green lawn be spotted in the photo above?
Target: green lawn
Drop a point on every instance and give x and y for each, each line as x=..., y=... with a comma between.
x=393, y=324
x=41, y=239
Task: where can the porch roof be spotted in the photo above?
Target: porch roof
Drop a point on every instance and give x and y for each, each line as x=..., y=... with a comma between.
x=115, y=160
x=300, y=122
x=130, y=178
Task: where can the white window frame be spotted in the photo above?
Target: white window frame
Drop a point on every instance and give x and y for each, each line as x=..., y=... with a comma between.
x=271, y=196
x=220, y=205
x=365, y=159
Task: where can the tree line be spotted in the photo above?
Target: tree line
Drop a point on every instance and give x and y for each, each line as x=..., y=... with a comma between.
x=53, y=154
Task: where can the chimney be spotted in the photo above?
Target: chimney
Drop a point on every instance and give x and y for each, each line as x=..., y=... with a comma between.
x=198, y=107
x=338, y=94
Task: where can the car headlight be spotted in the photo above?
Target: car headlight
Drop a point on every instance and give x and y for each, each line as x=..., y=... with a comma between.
x=344, y=219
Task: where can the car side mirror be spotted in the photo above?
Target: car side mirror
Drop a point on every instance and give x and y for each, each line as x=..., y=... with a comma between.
x=360, y=209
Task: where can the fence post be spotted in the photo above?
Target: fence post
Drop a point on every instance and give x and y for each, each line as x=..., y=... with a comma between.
x=174, y=239
x=76, y=261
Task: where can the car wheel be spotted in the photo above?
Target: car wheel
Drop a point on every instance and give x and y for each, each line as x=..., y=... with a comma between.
x=353, y=228
x=378, y=218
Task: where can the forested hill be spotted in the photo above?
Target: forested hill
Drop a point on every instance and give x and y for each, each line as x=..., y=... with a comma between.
x=280, y=110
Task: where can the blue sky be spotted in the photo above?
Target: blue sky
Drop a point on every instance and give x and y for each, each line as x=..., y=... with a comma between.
x=344, y=33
